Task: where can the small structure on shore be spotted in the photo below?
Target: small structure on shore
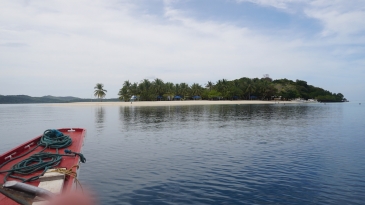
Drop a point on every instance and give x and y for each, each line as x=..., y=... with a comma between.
x=133, y=98
x=253, y=97
x=177, y=97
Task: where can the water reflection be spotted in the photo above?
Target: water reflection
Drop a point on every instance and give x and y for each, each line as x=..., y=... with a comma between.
x=271, y=122
x=242, y=153
x=126, y=117
x=99, y=118
x=218, y=154
x=181, y=114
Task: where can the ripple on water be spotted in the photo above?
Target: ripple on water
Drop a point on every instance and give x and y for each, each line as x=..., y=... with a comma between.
x=237, y=154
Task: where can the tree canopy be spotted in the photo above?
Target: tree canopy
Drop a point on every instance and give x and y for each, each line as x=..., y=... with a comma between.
x=99, y=91
x=244, y=88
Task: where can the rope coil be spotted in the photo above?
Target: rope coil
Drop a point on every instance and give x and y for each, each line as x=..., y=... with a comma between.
x=51, y=138
x=40, y=161
x=70, y=173
x=55, y=139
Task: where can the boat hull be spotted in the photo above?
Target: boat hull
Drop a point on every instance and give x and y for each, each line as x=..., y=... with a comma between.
x=76, y=134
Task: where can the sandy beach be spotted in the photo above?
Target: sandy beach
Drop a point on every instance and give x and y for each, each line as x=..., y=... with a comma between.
x=174, y=103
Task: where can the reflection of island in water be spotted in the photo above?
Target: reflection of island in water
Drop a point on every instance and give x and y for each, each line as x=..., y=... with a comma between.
x=256, y=124
x=157, y=117
x=143, y=117
x=99, y=118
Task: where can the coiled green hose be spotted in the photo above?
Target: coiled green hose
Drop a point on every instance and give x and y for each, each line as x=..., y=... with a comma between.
x=41, y=161
x=55, y=139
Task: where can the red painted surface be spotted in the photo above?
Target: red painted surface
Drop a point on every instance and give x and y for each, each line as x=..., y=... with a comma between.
x=67, y=162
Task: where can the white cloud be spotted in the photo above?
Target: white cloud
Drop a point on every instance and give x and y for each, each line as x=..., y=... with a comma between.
x=71, y=45
x=280, y=4
x=339, y=17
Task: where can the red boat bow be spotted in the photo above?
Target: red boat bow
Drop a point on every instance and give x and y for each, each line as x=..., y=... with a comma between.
x=77, y=136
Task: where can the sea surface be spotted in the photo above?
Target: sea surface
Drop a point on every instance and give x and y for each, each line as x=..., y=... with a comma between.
x=215, y=154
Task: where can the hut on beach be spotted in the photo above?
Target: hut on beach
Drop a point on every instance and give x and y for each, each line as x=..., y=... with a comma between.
x=177, y=97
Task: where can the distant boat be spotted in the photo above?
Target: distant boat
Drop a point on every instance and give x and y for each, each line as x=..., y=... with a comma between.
x=301, y=100
x=54, y=149
x=311, y=101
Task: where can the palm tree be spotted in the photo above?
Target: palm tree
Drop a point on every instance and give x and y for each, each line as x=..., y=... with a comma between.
x=234, y=89
x=145, y=89
x=222, y=87
x=134, y=89
x=125, y=93
x=184, y=89
x=169, y=89
x=177, y=90
x=99, y=91
x=209, y=85
x=265, y=88
x=158, y=86
x=127, y=84
x=242, y=86
x=225, y=87
x=128, y=90
x=250, y=88
x=196, y=89
x=218, y=85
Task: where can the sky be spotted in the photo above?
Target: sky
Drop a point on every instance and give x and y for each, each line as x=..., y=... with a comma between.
x=63, y=48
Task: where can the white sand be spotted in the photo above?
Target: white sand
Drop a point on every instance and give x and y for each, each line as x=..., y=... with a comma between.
x=173, y=103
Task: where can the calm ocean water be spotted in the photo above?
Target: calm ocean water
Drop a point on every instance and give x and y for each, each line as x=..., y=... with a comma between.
x=221, y=154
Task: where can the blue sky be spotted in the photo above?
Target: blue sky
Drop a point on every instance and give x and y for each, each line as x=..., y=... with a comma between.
x=64, y=48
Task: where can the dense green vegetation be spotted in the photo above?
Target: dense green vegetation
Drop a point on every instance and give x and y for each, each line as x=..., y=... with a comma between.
x=243, y=89
x=240, y=89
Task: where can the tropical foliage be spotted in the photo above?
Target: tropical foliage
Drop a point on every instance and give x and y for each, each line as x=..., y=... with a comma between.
x=99, y=91
x=244, y=89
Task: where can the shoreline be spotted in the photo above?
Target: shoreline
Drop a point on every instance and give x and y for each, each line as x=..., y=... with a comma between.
x=175, y=103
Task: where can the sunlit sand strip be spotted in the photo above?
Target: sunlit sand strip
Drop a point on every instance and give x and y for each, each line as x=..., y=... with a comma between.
x=172, y=103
